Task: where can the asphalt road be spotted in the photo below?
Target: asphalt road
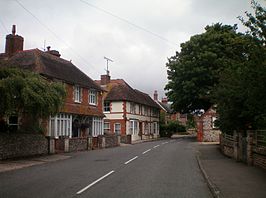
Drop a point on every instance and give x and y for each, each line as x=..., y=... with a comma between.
x=160, y=169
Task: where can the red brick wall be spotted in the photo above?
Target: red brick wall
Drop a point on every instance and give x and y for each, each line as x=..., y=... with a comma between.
x=112, y=125
x=83, y=107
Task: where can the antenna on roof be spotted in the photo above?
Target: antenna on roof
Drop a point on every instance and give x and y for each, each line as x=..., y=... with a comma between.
x=107, y=61
x=44, y=45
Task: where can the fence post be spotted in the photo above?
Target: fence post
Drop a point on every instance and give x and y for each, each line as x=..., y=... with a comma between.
x=66, y=144
x=118, y=140
x=103, y=142
x=51, y=145
x=250, y=136
x=236, y=149
x=89, y=140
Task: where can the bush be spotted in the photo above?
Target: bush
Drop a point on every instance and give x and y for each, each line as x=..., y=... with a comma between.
x=172, y=127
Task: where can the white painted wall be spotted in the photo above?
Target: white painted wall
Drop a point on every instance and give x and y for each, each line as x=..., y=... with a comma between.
x=117, y=107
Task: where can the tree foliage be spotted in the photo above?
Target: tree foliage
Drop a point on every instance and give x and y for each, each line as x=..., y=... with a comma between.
x=240, y=94
x=194, y=71
x=26, y=92
x=226, y=68
x=256, y=23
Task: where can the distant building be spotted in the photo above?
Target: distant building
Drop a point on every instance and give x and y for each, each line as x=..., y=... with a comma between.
x=82, y=113
x=128, y=111
x=168, y=112
x=206, y=128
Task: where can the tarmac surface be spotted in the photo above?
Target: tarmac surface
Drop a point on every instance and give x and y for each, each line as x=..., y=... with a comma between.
x=224, y=176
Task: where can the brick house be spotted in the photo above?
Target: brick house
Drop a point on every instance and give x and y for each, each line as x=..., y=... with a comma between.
x=82, y=113
x=128, y=111
x=168, y=112
x=206, y=129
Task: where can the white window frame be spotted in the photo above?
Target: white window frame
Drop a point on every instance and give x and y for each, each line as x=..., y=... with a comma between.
x=97, y=126
x=105, y=107
x=213, y=122
x=93, y=97
x=106, y=129
x=14, y=124
x=117, y=131
x=60, y=125
x=77, y=94
x=132, y=108
x=133, y=127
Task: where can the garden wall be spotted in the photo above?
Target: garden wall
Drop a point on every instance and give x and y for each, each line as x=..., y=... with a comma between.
x=22, y=145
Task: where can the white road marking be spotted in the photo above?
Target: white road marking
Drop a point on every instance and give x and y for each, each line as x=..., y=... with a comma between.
x=156, y=146
x=131, y=159
x=96, y=181
x=146, y=151
x=164, y=143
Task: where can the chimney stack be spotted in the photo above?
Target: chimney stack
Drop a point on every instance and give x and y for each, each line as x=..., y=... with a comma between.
x=155, y=95
x=164, y=100
x=14, y=43
x=105, y=79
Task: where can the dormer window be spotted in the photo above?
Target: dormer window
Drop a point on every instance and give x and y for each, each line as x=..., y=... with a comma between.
x=93, y=97
x=77, y=94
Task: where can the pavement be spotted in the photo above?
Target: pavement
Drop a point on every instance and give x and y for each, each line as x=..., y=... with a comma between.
x=228, y=178
x=14, y=164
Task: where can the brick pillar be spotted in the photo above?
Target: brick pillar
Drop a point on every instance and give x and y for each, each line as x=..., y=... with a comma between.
x=89, y=140
x=250, y=137
x=66, y=144
x=236, y=148
x=51, y=145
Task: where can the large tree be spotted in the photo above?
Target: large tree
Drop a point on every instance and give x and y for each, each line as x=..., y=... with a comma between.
x=29, y=94
x=194, y=72
x=240, y=94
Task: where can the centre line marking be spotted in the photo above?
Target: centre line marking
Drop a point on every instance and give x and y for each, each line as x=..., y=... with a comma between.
x=131, y=159
x=96, y=181
x=156, y=146
x=163, y=143
x=146, y=151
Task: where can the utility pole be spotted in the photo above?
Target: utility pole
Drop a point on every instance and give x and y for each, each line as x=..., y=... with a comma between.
x=107, y=61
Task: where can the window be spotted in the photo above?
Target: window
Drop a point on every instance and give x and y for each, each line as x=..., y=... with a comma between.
x=214, y=125
x=106, y=127
x=155, y=112
x=140, y=110
x=117, y=128
x=92, y=97
x=132, y=108
x=106, y=106
x=77, y=94
x=60, y=125
x=97, y=126
x=145, y=111
x=13, y=123
x=155, y=128
x=133, y=127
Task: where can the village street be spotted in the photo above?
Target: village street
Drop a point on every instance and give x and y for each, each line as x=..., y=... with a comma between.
x=166, y=168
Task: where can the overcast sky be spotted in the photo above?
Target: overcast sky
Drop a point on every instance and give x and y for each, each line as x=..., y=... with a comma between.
x=139, y=35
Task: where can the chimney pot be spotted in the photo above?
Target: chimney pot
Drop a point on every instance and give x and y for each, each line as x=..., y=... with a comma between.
x=155, y=95
x=14, y=30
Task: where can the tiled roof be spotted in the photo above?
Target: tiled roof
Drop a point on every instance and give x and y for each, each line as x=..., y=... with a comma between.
x=119, y=90
x=52, y=67
x=166, y=107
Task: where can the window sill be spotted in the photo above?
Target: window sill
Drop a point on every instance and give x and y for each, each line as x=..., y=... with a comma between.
x=78, y=102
